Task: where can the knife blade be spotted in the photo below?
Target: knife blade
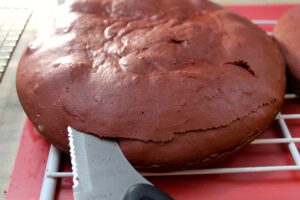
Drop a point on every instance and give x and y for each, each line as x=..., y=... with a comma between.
x=101, y=171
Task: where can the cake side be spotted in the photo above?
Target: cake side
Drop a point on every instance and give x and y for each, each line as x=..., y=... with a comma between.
x=287, y=35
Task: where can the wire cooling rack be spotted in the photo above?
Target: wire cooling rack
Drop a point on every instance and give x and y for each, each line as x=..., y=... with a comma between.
x=54, y=158
x=12, y=24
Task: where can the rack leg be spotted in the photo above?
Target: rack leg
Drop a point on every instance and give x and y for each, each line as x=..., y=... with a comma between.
x=49, y=183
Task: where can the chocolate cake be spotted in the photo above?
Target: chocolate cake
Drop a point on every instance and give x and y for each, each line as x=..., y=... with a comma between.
x=287, y=34
x=180, y=84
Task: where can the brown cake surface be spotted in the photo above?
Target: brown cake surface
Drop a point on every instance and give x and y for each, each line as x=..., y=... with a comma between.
x=180, y=84
x=287, y=34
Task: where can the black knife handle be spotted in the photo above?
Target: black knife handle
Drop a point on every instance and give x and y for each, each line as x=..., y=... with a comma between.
x=142, y=191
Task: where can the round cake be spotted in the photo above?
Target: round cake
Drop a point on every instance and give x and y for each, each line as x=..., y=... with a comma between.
x=287, y=34
x=179, y=84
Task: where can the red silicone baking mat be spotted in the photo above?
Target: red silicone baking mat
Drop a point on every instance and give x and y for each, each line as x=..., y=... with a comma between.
x=30, y=163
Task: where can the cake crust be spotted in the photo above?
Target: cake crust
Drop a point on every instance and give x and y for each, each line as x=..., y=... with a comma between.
x=180, y=84
x=287, y=34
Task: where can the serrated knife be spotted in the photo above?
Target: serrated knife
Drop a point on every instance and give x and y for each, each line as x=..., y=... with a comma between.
x=101, y=171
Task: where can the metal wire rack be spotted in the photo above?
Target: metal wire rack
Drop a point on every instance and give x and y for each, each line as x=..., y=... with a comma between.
x=12, y=24
x=52, y=174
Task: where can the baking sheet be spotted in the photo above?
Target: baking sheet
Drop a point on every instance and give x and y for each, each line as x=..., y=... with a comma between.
x=31, y=159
